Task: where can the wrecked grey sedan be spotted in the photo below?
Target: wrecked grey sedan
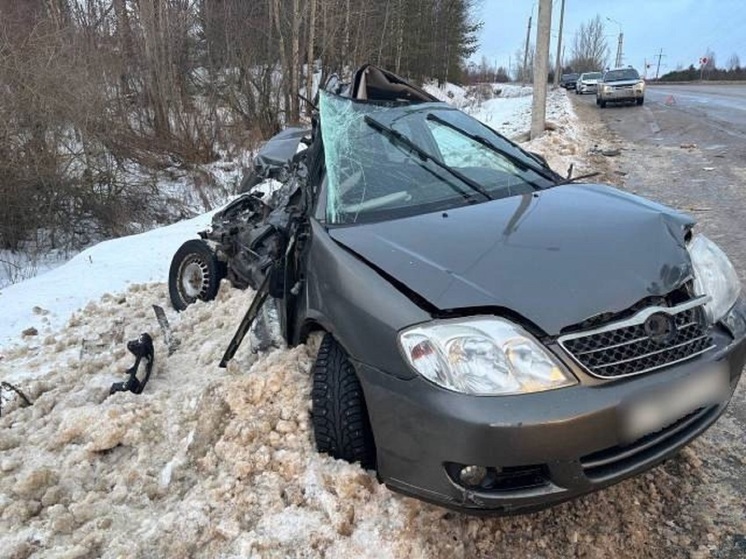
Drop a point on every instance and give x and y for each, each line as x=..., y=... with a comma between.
x=497, y=338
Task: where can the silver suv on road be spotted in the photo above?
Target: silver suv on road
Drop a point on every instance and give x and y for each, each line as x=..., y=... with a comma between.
x=620, y=85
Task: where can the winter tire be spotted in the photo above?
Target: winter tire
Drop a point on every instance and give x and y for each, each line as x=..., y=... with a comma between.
x=340, y=418
x=195, y=273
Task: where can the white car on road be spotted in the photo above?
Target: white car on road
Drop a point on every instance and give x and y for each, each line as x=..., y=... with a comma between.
x=588, y=82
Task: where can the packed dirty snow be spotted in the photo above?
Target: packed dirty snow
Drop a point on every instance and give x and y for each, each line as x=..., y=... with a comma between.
x=220, y=463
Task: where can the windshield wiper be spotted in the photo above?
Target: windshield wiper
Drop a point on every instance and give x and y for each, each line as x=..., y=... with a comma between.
x=396, y=136
x=522, y=165
x=575, y=179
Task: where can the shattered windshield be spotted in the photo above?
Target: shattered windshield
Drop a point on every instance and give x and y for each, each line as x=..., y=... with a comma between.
x=384, y=162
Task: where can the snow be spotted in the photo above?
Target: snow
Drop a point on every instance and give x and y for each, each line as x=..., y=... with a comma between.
x=206, y=462
x=47, y=301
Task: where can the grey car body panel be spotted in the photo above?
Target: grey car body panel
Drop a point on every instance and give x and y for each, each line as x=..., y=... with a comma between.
x=580, y=242
x=361, y=308
x=281, y=148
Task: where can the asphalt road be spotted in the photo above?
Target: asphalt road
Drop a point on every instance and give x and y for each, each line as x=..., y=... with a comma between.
x=722, y=106
x=686, y=147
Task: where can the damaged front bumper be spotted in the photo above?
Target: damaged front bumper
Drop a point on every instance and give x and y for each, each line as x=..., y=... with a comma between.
x=537, y=450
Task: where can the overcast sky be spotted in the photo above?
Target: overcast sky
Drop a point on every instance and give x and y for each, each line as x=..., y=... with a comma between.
x=684, y=29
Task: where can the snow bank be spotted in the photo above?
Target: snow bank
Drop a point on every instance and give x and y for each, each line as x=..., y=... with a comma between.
x=220, y=463
x=45, y=302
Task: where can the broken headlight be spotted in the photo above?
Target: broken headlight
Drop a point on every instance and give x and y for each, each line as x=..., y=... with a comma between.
x=484, y=356
x=715, y=276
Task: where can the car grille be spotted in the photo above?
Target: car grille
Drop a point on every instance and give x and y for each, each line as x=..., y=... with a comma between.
x=625, y=348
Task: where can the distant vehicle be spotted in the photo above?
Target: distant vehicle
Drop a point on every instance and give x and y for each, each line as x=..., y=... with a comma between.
x=587, y=82
x=620, y=85
x=568, y=81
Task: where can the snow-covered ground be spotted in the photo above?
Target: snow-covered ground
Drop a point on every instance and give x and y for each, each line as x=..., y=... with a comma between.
x=206, y=462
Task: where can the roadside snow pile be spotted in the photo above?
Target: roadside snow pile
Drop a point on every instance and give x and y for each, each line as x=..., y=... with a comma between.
x=221, y=463
x=448, y=93
x=45, y=302
x=470, y=96
x=566, y=140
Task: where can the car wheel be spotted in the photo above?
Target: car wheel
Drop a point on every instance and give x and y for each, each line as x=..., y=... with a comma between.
x=340, y=420
x=195, y=273
x=640, y=101
x=602, y=104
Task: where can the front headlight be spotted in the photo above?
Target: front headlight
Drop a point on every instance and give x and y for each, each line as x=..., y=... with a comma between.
x=715, y=276
x=484, y=356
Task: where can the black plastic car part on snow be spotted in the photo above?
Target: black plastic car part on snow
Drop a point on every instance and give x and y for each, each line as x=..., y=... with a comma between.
x=496, y=338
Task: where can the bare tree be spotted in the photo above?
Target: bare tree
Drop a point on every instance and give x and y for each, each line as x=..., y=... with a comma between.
x=100, y=96
x=734, y=63
x=589, y=50
x=711, y=61
x=310, y=59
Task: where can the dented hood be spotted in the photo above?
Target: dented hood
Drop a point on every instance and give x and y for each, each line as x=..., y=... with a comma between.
x=557, y=257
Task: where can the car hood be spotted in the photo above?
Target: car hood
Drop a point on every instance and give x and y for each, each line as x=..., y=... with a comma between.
x=557, y=257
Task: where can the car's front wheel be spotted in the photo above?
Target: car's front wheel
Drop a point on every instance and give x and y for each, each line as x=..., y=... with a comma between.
x=640, y=100
x=195, y=273
x=602, y=104
x=339, y=415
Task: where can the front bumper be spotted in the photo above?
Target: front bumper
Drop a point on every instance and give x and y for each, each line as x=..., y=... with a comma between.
x=545, y=448
x=621, y=94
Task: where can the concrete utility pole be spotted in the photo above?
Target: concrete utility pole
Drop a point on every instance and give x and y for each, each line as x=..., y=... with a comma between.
x=558, y=64
x=525, y=52
x=620, y=45
x=658, y=67
x=541, y=63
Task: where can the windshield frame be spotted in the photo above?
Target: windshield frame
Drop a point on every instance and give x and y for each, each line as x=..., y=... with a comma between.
x=514, y=171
